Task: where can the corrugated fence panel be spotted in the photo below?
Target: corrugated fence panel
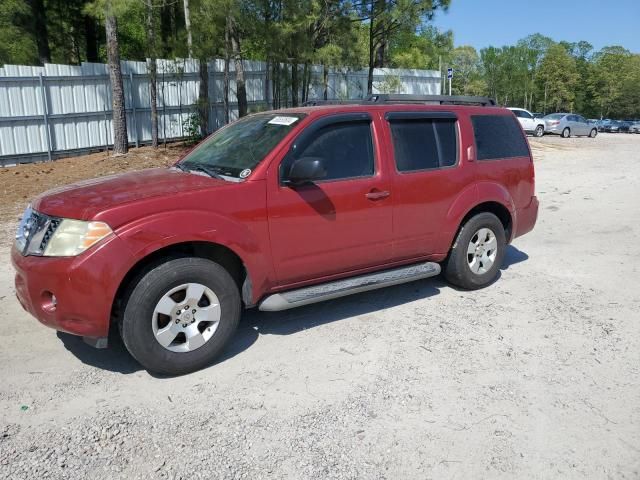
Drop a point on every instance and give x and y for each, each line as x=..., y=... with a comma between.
x=61, y=109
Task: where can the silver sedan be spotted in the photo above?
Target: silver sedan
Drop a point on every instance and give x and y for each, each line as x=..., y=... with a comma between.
x=568, y=124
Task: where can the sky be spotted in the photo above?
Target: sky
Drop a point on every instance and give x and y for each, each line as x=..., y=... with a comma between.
x=481, y=23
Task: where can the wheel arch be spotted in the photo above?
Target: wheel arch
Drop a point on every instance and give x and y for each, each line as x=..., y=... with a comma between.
x=221, y=254
x=498, y=209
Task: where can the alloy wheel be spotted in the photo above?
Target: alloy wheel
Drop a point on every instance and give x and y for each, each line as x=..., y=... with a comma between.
x=482, y=251
x=186, y=317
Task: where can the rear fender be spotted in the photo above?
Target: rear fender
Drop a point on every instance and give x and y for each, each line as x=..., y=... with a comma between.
x=470, y=198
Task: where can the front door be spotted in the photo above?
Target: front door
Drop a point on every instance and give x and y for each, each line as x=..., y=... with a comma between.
x=340, y=223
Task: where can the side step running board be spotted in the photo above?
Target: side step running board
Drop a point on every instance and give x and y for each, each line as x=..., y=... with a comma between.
x=347, y=286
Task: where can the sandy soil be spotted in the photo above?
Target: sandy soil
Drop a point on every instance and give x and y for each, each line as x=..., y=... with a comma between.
x=537, y=376
x=21, y=183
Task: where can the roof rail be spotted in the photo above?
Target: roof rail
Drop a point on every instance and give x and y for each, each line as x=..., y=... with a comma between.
x=407, y=98
x=431, y=99
x=318, y=102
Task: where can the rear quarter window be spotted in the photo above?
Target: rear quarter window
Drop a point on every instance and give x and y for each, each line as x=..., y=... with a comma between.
x=498, y=136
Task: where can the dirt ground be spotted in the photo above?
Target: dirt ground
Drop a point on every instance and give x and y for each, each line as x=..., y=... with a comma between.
x=536, y=376
x=21, y=183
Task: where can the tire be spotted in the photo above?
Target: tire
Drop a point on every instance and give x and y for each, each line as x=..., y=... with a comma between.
x=459, y=268
x=566, y=133
x=539, y=131
x=202, y=306
x=593, y=133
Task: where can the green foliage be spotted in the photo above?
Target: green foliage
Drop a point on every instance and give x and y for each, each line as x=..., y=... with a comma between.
x=558, y=76
x=467, y=79
x=390, y=84
x=191, y=128
x=537, y=72
x=17, y=45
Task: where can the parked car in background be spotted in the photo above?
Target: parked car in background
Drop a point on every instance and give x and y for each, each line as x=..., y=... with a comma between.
x=613, y=126
x=538, y=114
x=602, y=124
x=625, y=126
x=569, y=124
x=529, y=122
x=635, y=127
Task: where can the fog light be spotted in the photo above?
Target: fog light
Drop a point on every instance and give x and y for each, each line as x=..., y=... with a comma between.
x=49, y=301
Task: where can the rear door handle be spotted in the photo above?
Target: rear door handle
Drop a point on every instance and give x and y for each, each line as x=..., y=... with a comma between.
x=377, y=195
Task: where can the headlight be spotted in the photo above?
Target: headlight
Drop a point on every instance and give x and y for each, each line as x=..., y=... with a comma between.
x=72, y=237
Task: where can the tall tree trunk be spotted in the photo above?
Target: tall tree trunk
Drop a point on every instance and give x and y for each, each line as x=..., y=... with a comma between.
x=294, y=83
x=275, y=85
x=153, y=74
x=306, y=79
x=203, y=98
x=371, y=54
x=120, y=139
x=325, y=81
x=225, y=88
x=187, y=26
x=91, y=38
x=241, y=88
x=166, y=16
x=40, y=30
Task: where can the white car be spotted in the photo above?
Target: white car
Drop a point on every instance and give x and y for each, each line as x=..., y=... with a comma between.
x=530, y=124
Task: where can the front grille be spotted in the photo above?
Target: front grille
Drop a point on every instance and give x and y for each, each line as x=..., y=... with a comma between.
x=35, y=232
x=51, y=227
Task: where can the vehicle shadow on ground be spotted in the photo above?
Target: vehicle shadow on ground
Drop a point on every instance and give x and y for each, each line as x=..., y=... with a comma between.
x=254, y=323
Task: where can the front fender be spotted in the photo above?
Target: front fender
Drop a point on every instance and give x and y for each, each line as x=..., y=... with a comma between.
x=152, y=233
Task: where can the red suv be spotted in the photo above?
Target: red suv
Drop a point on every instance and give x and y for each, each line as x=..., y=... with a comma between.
x=277, y=210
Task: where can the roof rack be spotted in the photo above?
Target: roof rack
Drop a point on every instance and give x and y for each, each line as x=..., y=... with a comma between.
x=405, y=98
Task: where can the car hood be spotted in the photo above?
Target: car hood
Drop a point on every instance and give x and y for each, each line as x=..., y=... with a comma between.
x=84, y=200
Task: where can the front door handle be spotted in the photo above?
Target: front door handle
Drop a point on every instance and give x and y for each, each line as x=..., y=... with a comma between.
x=377, y=194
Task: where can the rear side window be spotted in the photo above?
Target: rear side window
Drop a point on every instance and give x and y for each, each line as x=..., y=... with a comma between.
x=498, y=136
x=423, y=143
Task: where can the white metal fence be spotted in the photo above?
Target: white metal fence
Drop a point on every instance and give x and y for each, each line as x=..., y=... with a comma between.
x=58, y=110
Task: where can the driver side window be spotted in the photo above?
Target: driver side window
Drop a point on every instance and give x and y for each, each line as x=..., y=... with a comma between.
x=346, y=151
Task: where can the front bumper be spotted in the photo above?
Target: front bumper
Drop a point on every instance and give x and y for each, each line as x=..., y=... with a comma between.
x=84, y=287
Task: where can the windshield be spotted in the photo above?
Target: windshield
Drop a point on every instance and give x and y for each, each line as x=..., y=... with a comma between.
x=555, y=116
x=236, y=149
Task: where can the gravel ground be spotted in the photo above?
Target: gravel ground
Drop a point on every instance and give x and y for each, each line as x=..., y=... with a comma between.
x=536, y=376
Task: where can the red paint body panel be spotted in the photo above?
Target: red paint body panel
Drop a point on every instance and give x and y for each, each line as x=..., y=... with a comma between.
x=285, y=236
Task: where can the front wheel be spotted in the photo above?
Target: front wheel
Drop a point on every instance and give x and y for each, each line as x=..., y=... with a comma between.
x=566, y=133
x=593, y=133
x=180, y=315
x=477, y=253
x=539, y=131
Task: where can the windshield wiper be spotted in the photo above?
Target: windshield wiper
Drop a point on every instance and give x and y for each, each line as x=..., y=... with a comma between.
x=201, y=168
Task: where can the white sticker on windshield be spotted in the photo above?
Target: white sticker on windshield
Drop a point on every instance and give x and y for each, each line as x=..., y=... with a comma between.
x=283, y=120
x=245, y=173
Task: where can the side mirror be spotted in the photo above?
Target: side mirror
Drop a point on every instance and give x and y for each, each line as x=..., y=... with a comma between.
x=305, y=170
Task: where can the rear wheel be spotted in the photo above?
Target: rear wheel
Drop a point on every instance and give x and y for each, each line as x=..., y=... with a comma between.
x=593, y=133
x=566, y=133
x=539, y=131
x=180, y=315
x=477, y=253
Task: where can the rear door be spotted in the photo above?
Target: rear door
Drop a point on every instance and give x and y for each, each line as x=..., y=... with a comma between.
x=427, y=180
x=341, y=223
x=583, y=126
